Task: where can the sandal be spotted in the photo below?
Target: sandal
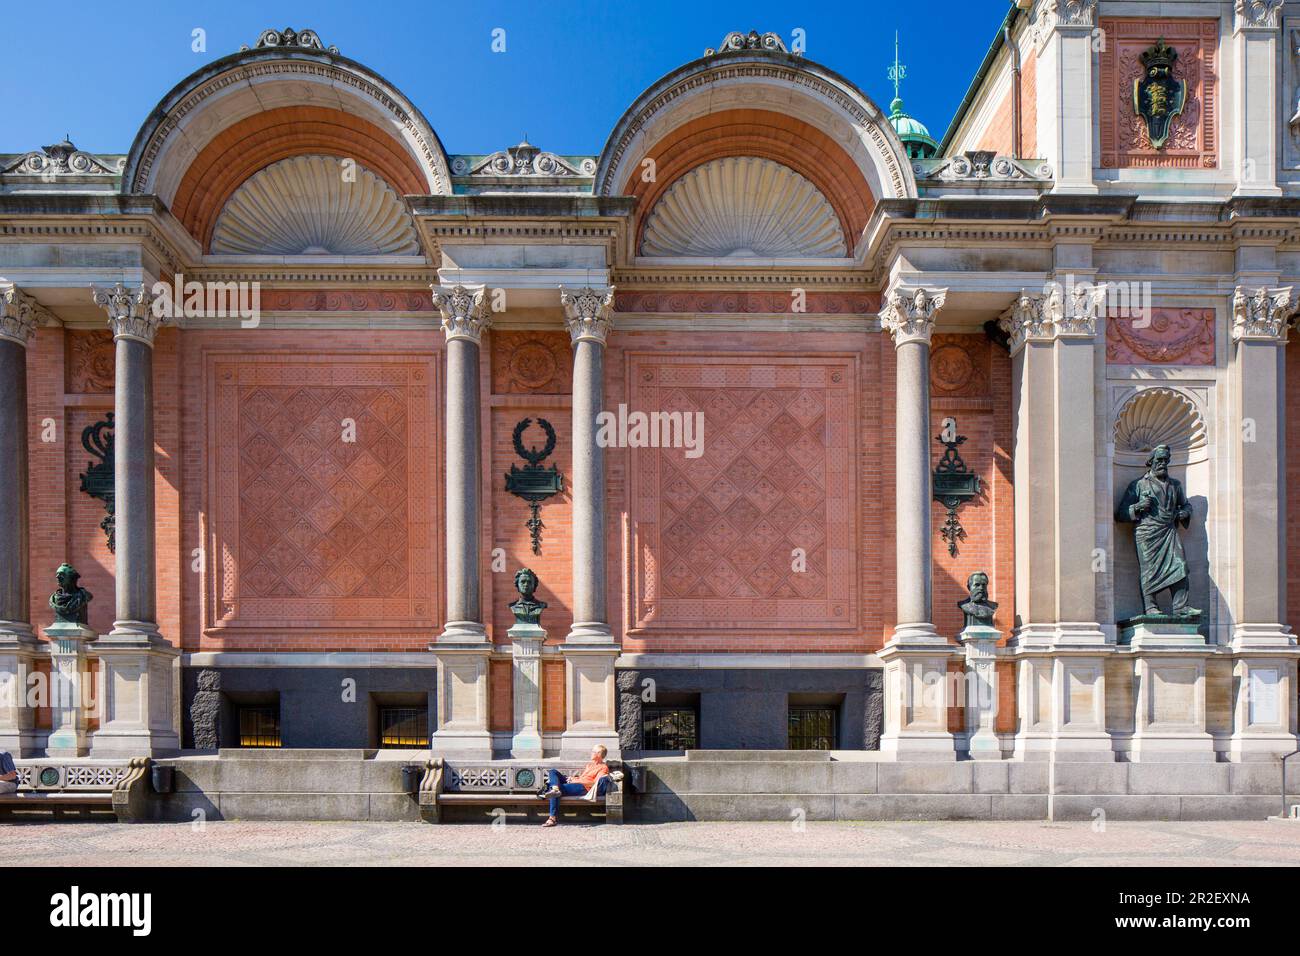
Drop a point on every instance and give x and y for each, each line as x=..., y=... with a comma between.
x=550, y=822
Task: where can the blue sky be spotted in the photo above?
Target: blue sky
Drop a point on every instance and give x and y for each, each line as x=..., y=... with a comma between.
x=570, y=69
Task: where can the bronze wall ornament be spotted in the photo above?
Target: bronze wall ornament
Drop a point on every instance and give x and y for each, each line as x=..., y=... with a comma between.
x=534, y=483
x=97, y=479
x=954, y=484
x=1157, y=97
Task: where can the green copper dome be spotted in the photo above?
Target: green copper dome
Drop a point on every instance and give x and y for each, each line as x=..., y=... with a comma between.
x=916, y=138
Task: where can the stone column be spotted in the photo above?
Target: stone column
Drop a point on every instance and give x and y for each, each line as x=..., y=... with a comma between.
x=1263, y=645
x=589, y=649
x=1060, y=646
x=463, y=648
x=136, y=663
x=18, y=645
x=917, y=688
x=1256, y=88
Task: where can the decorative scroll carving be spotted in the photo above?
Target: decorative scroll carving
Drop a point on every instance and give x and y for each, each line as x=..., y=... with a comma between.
x=587, y=313
x=953, y=483
x=345, y=300
x=97, y=480
x=534, y=483
x=909, y=314
x=746, y=303
x=737, y=42
x=288, y=37
x=63, y=159
x=464, y=312
x=1172, y=337
x=1262, y=314
x=975, y=165
x=523, y=160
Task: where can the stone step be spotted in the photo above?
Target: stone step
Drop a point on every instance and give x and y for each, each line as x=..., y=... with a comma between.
x=771, y=756
x=319, y=776
x=293, y=753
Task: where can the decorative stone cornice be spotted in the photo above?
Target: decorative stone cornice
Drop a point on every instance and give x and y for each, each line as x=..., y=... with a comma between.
x=909, y=314
x=464, y=312
x=131, y=314
x=588, y=313
x=737, y=42
x=19, y=316
x=289, y=37
x=1262, y=315
x=1257, y=15
x=523, y=160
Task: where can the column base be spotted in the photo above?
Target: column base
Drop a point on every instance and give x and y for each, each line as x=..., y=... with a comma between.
x=19, y=651
x=917, y=695
x=589, y=632
x=589, y=699
x=137, y=693
x=1248, y=637
x=462, y=700
x=460, y=632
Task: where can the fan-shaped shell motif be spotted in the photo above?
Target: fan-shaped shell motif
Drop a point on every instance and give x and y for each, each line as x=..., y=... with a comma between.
x=1159, y=416
x=743, y=207
x=313, y=205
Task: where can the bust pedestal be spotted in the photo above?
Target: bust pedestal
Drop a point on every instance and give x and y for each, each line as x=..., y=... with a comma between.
x=981, y=644
x=19, y=650
x=526, y=652
x=70, y=700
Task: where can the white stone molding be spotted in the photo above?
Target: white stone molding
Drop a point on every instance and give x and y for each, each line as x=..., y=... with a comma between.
x=1257, y=15
x=743, y=207
x=464, y=313
x=1262, y=315
x=18, y=315
x=314, y=205
x=588, y=313
x=130, y=312
x=909, y=314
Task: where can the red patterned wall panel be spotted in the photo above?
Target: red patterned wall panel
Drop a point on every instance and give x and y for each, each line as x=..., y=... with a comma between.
x=1193, y=137
x=314, y=530
x=714, y=535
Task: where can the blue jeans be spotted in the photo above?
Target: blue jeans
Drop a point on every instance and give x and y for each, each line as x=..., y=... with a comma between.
x=556, y=779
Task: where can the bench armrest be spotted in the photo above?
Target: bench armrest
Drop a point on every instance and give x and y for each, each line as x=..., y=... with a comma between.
x=430, y=789
x=131, y=794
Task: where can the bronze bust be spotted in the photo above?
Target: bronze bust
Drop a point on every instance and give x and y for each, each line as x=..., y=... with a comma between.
x=70, y=602
x=527, y=610
x=978, y=608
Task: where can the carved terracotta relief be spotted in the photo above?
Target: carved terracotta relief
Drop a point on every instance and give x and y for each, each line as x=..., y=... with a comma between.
x=528, y=362
x=1172, y=337
x=90, y=361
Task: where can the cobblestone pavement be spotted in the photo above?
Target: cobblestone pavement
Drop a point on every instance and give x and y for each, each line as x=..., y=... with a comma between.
x=684, y=844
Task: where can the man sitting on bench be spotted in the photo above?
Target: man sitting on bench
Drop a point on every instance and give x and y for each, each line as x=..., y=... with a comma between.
x=8, y=774
x=596, y=774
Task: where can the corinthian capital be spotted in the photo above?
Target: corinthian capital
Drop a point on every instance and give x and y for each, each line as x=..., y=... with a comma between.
x=1029, y=318
x=1258, y=14
x=19, y=315
x=1066, y=13
x=587, y=313
x=131, y=312
x=464, y=314
x=1262, y=315
x=908, y=314
x=1072, y=310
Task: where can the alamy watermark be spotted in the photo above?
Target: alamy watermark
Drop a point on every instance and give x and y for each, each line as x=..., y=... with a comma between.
x=201, y=300
x=624, y=429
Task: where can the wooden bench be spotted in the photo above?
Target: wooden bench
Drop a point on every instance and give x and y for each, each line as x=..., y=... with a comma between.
x=485, y=786
x=84, y=791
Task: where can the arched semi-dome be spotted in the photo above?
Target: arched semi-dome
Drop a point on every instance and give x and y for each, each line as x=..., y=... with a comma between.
x=286, y=97
x=800, y=136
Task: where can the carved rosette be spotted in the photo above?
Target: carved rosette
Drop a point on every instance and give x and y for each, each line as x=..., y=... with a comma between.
x=464, y=311
x=1262, y=315
x=587, y=313
x=130, y=312
x=909, y=314
x=1258, y=14
x=18, y=316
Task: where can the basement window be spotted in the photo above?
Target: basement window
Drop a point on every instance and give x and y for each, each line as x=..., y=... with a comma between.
x=812, y=727
x=403, y=728
x=259, y=726
x=670, y=728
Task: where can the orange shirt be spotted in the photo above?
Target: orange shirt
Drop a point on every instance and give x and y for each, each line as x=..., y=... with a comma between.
x=590, y=774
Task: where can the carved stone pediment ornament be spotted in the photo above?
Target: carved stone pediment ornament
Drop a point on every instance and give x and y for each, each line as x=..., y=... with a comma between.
x=908, y=314
x=289, y=37
x=1263, y=314
x=62, y=159
x=464, y=312
x=982, y=164
x=737, y=42
x=524, y=160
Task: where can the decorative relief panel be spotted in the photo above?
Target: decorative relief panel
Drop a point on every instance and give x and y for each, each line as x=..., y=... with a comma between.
x=346, y=300
x=959, y=365
x=323, y=506
x=531, y=363
x=1193, y=137
x=831, y=303
x=1173, y=337
x=715, y=536
x=90, y=360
